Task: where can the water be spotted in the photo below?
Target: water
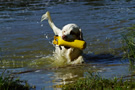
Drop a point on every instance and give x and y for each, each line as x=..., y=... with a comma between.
x=25, y=42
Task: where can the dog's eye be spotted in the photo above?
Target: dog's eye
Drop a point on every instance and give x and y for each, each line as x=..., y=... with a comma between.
x=72, y=33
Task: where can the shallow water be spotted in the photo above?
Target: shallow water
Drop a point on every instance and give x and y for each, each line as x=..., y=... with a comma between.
x=25, y=42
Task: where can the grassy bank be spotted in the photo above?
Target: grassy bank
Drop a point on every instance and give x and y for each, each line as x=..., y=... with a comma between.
x=10, y=82
x=129, y=46
x=95, y=82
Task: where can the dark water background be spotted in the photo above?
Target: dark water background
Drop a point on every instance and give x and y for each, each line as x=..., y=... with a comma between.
x=25, y=42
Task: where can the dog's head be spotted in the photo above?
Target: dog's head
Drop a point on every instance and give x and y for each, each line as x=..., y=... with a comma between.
x=70, y=32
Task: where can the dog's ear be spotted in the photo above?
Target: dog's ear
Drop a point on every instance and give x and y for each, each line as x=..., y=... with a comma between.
x=81, y=35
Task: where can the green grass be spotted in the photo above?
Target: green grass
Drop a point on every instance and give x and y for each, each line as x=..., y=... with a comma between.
x=95, y=82
x=10, y=82
x=129, y=40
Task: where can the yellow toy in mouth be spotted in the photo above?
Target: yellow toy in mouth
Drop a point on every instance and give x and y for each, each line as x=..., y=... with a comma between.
x=80, y=44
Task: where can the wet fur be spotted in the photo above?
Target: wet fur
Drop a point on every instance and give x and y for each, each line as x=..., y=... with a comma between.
x=69, y=32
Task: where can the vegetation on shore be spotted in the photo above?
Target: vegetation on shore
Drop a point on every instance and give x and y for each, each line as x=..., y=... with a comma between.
x=129, y=47
x=95, y=82
x=10, y=82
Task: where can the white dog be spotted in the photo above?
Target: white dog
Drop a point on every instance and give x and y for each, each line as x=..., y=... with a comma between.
x=70, y=32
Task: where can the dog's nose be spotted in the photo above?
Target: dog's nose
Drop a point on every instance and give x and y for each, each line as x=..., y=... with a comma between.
x=64, y=37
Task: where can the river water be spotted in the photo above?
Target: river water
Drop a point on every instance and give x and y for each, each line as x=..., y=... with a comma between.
x=25, y=42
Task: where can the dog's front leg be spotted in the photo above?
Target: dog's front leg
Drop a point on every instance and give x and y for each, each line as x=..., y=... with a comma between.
x=79, y=60
x=55, y=29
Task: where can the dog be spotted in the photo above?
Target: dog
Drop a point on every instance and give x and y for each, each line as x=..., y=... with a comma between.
x=69, y=32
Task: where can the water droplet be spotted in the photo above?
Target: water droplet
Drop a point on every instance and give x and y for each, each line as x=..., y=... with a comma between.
x=46, y=37
x=42, y=25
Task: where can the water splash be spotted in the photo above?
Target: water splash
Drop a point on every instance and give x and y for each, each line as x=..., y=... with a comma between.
x=48, y=62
